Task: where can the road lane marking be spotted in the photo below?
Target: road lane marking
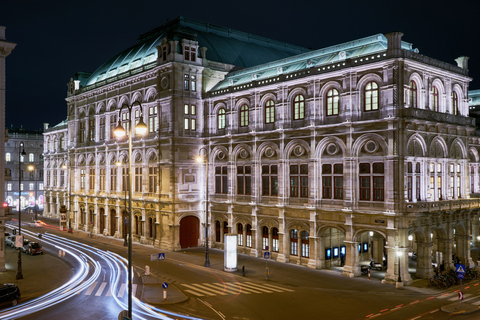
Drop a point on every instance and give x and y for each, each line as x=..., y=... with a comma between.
x=121, y=292
x=100, y=290
x=91, y=288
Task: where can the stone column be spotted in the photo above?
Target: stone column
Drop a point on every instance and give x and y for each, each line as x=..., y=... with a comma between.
x=424, y=260
x=351, y=267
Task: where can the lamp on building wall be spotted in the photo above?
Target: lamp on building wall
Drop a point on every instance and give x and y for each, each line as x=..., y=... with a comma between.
x=21, y=154
x=34, y=169
x=119, y=131
x=204, y=159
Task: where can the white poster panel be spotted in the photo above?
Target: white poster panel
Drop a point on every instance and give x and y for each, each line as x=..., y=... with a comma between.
x=230, y=252
x=19, y=241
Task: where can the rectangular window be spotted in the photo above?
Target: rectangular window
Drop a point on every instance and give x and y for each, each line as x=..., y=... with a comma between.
x=439, y=187
x=152, y=119
x=269, y=180
x=299, y=181
x=417, y=187
x=91, y=130
x=9, y=187
x=102, y=129
x=244, y=180
x=30, y=186
x=82, y=179
x=221, y=185
x=113, y=179
x=102, y=179
x=113, y=125
x=194, y=83
x=138, y=179
x=92, y=179
x=152, y=179
x=365, y=188
x=40, y=186
x=409, y=189
x=186, y=82
x=124, y=179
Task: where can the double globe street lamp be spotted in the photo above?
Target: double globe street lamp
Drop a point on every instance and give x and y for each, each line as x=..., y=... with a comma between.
x=140, y=128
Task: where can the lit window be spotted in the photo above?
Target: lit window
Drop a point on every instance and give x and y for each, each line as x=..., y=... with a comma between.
x=332, y=102
x=244, y=115
x=270, y=111
x=31, y=157
x=249, y=235
x=221, y=119
x=298, y=107
x=186, y=82
x=293, y=243
x=9, y=187
x=413, y=94
x=8, y=157
x=371, y=96
x=240, y=234
x=152, y=119
x=305, y=245
x=264, y=238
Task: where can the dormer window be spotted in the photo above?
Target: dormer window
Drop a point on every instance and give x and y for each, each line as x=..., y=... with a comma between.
x=190, y=53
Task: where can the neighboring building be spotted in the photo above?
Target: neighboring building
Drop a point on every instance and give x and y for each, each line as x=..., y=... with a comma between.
x=5, y=49
x=325, y=157
x=31, y=166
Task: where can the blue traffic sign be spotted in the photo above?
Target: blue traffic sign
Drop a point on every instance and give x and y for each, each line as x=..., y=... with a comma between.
x=460, y=268
x=161, y=256
x=460, y=275
x=164, y=285
x=266, y=255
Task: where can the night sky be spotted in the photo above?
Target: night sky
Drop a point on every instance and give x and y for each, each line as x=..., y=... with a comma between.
x=55, y=38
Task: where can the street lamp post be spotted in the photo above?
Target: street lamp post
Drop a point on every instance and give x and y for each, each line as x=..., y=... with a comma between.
x=399, y=283
x=204, y=159
x=119, y=131
x=65, y=167
x=34, y=169
x=21, y=153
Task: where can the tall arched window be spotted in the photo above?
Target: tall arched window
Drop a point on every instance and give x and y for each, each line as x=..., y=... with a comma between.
x=332, y=102
x=275, y=239
x=240, y=234
x=305, y=244
x=299, y=107
x=221, y=117
x=8, y=157
x=371, y=96
x=244, y=115
x=249, y=235
x=435, y=104
x=413, y=94
x=293, y=242
x=264, y=238
x=269, y=111
x=454, y=103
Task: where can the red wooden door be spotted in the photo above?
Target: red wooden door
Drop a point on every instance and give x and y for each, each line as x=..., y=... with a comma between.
x=189, y=232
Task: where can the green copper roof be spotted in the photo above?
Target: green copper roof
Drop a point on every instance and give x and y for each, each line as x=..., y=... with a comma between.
x=223, y=45
x=474, y=98
x=369, y=46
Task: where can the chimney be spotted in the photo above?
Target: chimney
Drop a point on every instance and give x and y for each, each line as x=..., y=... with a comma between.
x=394, y=43
x=462, y=62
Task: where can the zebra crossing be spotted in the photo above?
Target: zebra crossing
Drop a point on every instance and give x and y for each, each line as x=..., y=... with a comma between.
x=467, y=297
x=97, y=292
x=226, y=288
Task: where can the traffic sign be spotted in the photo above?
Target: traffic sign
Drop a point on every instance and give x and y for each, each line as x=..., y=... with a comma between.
x=460, y=295
x=460, y=275
x=460, y=268
x=266, y=255
x=164, y=285
x=161, y=256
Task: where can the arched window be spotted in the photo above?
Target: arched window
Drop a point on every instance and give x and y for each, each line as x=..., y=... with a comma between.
x=305, y=244
x=269, y=111
x=293, y=242
x=371, y=96
x=299, y=107
x=275, y=239
x=240, y=234
x=454, y=103
x=225, y=228
x=249, y=236
x=221, y=119
x=332, y=102
x=8, y=157
x=435, y=105
x=265, y=238
x=413, y=94
x=137, y=225
x=217, y=231
x=244, y=116
x=31, y=157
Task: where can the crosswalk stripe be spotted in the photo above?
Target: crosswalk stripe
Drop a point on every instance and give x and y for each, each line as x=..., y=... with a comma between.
x=134, y=288
x=476, y=303
x=243, y=289
x=100, y=290
x=109, y=292
x=260, y=286
x=121, y=292
x=256, y=288
x=282, y=289
x=236, y=288
x=91, y=288
x=202, y=289
x=220, y=287
x=194, y=292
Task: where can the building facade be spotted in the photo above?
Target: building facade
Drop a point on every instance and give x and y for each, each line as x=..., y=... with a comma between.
x=363, y=150
x=5, y=50
x=29, y=167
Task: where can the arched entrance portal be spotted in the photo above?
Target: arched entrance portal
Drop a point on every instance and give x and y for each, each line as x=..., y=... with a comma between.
x=189, y=232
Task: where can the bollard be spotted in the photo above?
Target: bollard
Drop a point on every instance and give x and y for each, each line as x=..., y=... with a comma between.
x=147, y=270
x=368, y=274
x=243, y=271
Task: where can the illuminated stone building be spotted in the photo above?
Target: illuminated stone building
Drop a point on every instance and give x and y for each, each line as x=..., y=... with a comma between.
x=327, y=157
